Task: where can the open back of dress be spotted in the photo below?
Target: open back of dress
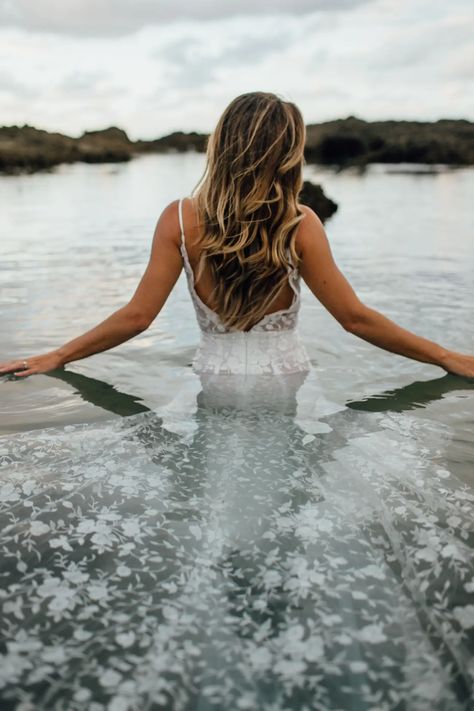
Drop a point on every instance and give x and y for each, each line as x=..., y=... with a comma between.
x=272, y=346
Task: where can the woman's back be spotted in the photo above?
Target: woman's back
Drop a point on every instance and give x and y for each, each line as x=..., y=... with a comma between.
x=271, y=346
x=204, y=286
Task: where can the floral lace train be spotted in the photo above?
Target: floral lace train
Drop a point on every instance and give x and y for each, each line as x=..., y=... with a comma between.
x=229, y=558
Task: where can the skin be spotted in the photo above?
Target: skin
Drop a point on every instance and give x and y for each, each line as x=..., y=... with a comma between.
x=317, y=268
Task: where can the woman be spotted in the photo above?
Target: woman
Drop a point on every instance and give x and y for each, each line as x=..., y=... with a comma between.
x=244, y=240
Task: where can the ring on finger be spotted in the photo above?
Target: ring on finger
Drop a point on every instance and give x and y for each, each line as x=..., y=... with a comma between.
x=25, y=365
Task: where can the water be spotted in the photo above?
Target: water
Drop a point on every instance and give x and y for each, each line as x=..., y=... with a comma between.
x=303, y=546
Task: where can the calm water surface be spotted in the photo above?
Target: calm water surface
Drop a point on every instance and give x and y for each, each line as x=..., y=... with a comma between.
x=75, y=243
x=247, y=529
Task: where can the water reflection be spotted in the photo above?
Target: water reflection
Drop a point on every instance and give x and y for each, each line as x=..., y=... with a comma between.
x=415, y=395
x=100, y=393
x=412, y=396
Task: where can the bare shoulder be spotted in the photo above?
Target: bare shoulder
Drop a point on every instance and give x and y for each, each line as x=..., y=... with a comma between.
x=167, y=227
x=311, y=219
x=310, y=230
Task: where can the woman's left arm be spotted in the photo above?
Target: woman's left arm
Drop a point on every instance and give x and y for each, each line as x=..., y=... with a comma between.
x=161, y=274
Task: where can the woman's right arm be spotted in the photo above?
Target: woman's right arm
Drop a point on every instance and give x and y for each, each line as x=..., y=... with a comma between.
x=331, y=288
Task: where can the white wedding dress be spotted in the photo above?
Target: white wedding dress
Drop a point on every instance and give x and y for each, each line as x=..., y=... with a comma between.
x=233, y=551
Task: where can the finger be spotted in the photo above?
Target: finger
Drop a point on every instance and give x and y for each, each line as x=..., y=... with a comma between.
x=8, y=367
x=24, y=373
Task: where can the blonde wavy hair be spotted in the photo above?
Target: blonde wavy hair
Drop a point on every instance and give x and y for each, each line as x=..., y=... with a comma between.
x=246, y=201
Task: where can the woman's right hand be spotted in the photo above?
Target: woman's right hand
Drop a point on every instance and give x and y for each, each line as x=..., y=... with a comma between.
x=35, y=364
x=459, y=364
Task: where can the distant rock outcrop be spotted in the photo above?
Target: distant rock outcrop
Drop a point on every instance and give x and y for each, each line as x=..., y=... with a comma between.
x=109, y=145
x=27, y=149
x=353, y=141
x=177, y=142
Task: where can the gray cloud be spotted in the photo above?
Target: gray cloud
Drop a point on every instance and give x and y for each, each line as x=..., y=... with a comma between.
x=80, y=83
x=191, y=62
x=120, y=17
x=9, y=84
x=426, y=42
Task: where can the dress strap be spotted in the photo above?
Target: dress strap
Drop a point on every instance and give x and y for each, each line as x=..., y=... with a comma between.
x=180, y=215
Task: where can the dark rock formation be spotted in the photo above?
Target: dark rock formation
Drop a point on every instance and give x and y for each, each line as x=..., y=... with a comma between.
x=111, y=145
x=29, y=149
x=177, y=142
x=352, y=141
x=313, y=196
x=111, y=134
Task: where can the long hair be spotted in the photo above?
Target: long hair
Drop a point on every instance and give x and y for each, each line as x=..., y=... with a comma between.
x=247, y=204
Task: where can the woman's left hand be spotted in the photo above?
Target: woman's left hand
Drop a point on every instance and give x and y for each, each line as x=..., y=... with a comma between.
x=30, y=366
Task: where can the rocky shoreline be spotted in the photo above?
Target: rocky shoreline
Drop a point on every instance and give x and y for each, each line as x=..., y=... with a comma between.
x=28, y=149
x=354, y=142
x=341, y=143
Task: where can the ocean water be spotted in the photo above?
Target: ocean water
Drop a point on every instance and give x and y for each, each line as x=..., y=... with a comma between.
x=172, y=542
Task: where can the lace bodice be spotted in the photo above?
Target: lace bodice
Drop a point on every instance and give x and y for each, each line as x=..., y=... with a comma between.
x=271, y=346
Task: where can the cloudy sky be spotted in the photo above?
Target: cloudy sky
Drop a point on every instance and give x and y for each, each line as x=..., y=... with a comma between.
x=155, y=66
